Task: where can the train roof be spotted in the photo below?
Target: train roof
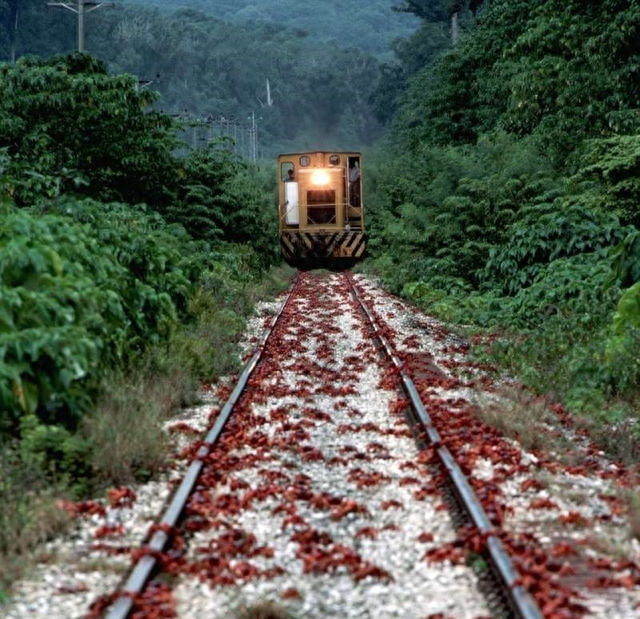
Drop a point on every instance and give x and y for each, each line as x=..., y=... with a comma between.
x=320, y=152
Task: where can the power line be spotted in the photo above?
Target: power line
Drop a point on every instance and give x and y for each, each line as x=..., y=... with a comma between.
x=241, y=137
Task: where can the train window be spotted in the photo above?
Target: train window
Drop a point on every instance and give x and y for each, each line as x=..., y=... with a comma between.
x=287, y=172
x=334, y=160
x=305, y=160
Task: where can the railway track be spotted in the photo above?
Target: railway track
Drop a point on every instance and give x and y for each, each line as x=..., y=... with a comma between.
x=321, y=490
x=310, y=490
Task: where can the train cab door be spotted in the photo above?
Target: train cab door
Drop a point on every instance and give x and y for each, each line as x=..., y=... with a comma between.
x=354, y=181
x=291, y=195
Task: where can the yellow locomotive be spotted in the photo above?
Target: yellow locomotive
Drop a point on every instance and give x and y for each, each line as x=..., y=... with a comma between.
x=320, y=209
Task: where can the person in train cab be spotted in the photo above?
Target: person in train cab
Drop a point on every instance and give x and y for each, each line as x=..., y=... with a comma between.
x=354, y=184
x=291, y=177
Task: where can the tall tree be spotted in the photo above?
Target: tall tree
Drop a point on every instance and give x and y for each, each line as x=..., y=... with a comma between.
x=438, y=10
x=441, y=10
x=429, y=10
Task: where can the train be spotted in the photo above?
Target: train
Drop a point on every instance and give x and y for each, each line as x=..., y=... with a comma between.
x=321, y=209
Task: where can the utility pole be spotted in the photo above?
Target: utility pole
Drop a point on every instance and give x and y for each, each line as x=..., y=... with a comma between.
x=81, y=8
x=254, y=138
x=15, y=9
x=455, y=28
x=269, y=99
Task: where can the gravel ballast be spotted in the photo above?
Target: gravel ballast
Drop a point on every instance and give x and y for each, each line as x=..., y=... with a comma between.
x=319, y=501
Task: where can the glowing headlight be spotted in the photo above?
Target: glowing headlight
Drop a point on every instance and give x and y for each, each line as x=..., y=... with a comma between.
x=320, y=177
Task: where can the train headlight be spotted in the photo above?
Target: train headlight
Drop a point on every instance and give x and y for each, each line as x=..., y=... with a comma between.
x=319, y=177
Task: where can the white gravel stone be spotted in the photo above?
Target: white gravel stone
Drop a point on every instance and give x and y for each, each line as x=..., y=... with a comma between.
x=418, y=588
x=76, y=573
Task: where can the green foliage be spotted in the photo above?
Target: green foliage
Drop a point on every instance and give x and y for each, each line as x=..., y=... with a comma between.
x=615, y=163
x=89, y=286
x=430, y=10
x=47, y=446
x=94, y=137
x=542, y=234
x=628, y=311
x=439, y=298
x=28, y=513
x=564, y=72
x=56, y=318
x=81, y=296
x=572, y=287
x=70, y=127
x=160, y=262
x=461, y=95
x=370, y=26
x=509, y=197
x=447, y=212
x=248, y=196
x=111, y=314
x=626, y=260
x=208, y=68
x=224, y=199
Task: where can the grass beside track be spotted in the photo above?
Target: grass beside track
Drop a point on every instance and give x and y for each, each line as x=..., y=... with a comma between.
x=122, y=441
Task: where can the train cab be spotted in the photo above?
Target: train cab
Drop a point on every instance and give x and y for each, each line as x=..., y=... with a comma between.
x=321, y=211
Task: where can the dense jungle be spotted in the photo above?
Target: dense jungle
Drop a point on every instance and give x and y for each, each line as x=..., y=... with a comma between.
x=502, y=157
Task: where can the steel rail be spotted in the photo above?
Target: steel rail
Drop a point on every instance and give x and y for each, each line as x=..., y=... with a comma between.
x=140, y=573
x=521, y=600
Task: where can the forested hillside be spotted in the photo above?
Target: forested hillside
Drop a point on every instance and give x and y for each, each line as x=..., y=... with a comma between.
x=206, y=68
x=369, y=26
x=509, y=195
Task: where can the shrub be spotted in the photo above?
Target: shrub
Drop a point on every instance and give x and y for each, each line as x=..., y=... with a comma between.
x=86, y=291
x=69, y=126
x=615, y=163
x=543, y=233
x=60, y=315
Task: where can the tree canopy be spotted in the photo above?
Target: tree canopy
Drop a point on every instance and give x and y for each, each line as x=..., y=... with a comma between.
x=368, y=26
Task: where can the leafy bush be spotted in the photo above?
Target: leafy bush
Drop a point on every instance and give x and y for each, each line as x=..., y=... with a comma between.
x=543, y=233
x=163, y=259
x=615, y=163
x=52, y=448
x=82, y=296
x=626, y=259
x=71, y=127
x=573, y=286
x=628, y=311
x=221, y=198
x=447, y=211
x=563, y=72
x=514, y=161
x=59, y=316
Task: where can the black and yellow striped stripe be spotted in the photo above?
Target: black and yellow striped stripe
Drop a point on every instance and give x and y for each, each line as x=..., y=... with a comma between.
x=299, y=247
